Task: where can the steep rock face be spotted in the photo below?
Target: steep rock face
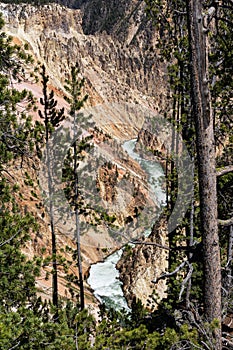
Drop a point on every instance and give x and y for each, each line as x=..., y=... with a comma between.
x=140, y=265
x=151, y=141
x=154, y=144
x=118, y=60
x=124, y=194
x=125, y=20
x=114, y=46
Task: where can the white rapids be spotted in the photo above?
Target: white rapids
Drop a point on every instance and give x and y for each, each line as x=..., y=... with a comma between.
x=103, y=276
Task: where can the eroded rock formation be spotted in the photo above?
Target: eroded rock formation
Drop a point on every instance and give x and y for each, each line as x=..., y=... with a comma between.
x=117, y=58
x=142, y=264
x=114, y=45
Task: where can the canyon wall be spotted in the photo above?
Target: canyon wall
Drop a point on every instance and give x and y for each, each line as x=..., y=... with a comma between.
x=114, y=45
x=142, y=264
x=112, y=42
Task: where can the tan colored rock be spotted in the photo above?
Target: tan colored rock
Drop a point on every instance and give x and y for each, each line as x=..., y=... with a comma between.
x=124, y=78
x=142, y=264
x=119, y=64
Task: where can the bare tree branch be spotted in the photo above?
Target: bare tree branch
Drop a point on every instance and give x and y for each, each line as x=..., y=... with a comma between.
x=187, y=278
x=230, y=248
x=225, y=170
x=227, y=341
x=227, y=222
x=180, y=12
x=151, y=243
x=10, y=239
x=169, y=274
x=15, y=346
x=195, y=319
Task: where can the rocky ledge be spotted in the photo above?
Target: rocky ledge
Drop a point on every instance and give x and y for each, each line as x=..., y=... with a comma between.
x=143, y=263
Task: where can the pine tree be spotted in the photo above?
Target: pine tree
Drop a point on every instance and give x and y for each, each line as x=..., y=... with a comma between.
x=74, y=87
x=203, y=30
x=51, y=118
x=203, y=116
x=25, y=321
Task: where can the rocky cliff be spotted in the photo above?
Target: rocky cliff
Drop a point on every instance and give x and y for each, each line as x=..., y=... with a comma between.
x=113, y=44
x=115, y=47
x=142, y=264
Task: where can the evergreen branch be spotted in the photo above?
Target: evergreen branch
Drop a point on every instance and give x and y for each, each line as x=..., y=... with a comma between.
x=225, y=20
x=195, y=319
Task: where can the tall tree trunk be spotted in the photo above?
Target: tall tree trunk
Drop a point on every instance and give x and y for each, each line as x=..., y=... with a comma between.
x=203, y=117
x=74, y=88
x=52, y=226
x=77, y=229
x=52, y=117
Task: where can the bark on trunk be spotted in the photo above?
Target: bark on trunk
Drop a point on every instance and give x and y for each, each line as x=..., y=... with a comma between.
x=202, y=113
x=51, y=215
x=77, y=230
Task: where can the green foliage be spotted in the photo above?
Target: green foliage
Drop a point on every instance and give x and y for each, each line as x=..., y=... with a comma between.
x=16, y=131
x=128, y=250
x=221, y=72
x=74, y=87
x=173, y=47
x=51, y=116
x=111, y=333
x=225, y=189
x=17, y=281
x=77, y=152
x=25, y=321
x=138, y=313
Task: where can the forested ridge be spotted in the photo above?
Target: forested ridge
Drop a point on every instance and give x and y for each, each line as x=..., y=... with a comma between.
x=195, y=41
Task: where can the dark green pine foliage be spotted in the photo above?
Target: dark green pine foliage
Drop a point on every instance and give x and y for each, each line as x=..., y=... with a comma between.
x=16, y=140
x=15, y=123
x=50, y=115
x=51, y=118
x=222, y=93
x=173, y=47
x=25, y=321
x=23, y=318
x=74, y=87
x=17, y=281
x=221, y=74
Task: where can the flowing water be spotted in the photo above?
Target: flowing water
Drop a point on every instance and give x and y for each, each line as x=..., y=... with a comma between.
x=104, y=277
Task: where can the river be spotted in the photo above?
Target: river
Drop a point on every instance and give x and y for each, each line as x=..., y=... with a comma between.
x=104, y=277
